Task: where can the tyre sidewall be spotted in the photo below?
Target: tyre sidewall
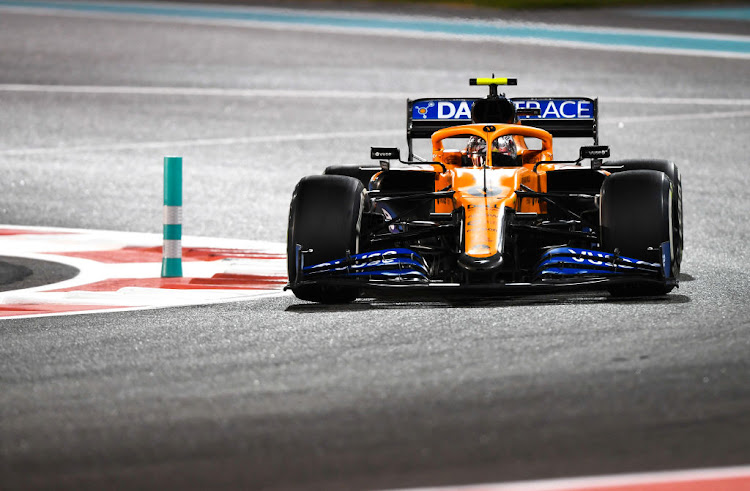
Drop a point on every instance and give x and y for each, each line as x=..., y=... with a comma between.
x=325, y=217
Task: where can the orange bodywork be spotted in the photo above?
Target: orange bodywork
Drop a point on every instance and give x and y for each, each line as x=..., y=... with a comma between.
x=485, y=191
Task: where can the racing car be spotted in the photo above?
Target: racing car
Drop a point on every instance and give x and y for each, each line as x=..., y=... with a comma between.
x=498, y=217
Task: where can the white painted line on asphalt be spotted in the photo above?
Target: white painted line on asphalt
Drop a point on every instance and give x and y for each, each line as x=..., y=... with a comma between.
x=199, y=142
x=692, y=479
x=692, y=101
x=203, y=91
x=254, y=296
x=406, y=26
x=131, y=297
x=320, y=94
x=244, y=14
x=107, y=239
x=677, y=117
x=314, y=94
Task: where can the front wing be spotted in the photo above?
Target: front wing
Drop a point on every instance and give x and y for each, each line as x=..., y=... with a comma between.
x=405, y=271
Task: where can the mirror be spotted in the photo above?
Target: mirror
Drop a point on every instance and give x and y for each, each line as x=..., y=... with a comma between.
x=595, y=152
x=389, y=153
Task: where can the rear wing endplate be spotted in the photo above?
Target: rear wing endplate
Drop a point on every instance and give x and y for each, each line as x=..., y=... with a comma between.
x=566, y=117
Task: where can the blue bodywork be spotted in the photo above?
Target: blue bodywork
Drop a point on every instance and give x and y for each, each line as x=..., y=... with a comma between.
x=396, y=265
x=564, y=262
x=559, y=266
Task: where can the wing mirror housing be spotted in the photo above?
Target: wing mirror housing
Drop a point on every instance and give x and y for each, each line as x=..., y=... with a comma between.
x=385, y=153
x=596, y=153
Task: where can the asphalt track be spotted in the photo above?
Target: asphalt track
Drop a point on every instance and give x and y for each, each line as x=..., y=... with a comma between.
x=280, y=394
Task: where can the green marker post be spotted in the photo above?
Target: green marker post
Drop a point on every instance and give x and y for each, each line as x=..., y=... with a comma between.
x=171, y=263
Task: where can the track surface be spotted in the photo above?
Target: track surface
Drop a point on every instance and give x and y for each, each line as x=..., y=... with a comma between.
x=280, y=394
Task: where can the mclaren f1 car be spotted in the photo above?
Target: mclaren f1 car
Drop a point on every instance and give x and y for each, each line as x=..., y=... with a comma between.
x=497, y=216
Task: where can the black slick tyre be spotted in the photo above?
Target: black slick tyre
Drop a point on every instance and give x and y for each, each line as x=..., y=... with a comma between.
x=325, y=216
x=671, y=170
x=636, y=217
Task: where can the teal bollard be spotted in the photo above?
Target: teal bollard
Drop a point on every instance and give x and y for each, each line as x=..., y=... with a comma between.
x=171, y=263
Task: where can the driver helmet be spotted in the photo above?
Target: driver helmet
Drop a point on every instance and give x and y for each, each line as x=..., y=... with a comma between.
x=476, y=148
x=505, y=145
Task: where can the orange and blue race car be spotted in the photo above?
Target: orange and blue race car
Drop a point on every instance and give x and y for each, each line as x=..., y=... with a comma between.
x=491, y=212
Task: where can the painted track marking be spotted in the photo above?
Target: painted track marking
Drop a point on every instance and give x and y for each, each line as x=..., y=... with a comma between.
x=198, y=142
x=122, y=271
x=565, y=36
x=315, y=94
x=714, y=479
x=321, y=94
x=202, y=142
x=658, y=118
x=723, y=13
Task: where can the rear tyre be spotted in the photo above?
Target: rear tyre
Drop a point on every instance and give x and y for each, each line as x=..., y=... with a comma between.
x=636, y=217
x=325, y=215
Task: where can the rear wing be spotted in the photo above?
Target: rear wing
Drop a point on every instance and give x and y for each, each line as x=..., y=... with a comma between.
x=566, y=117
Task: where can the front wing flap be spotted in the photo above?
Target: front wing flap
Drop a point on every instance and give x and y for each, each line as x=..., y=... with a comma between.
x=397, y=265
x=564, y=267
x=568, y=262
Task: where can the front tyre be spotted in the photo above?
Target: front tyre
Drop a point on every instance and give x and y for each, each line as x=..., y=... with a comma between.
x=325, y=216
x=636, y=218
x=671, y=170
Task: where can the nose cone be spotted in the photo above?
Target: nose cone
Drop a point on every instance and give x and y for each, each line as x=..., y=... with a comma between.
x=480, y=264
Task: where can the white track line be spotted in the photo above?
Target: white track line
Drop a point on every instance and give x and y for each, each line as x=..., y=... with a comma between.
x=413, y=20
x=677, y=117
x=312, y=94
x=416, y=34
x=203, y=92
x=697, y=101
x=201, y=142
x=320, y=94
